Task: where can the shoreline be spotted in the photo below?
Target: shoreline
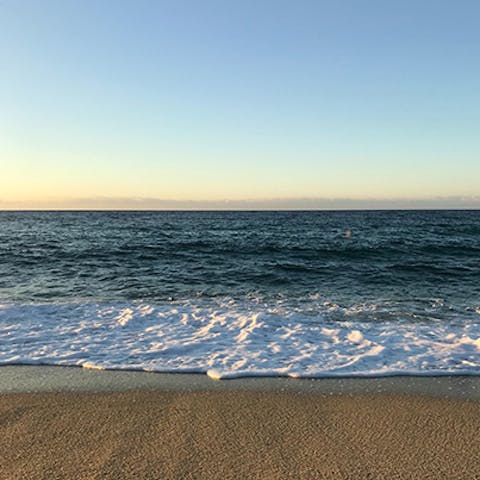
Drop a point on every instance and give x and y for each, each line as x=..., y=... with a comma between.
x=43, y=379
x=76, y=423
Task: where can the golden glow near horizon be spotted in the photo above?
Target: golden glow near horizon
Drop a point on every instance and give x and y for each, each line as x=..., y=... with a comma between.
x=81, y=180
x=76, y=184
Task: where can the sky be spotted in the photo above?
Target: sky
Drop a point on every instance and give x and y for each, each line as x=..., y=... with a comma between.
x=239, y=104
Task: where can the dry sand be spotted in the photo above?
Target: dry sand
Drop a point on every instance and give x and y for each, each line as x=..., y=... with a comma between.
x=236, y=435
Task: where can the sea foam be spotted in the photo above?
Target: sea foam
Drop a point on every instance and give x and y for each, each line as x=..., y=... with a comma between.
x=226, y=339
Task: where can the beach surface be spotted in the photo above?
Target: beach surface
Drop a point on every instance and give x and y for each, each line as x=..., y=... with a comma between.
x=72, y=423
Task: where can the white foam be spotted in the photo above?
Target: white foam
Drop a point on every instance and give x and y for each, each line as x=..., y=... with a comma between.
x=226, y=339
x=92, y=366
x=355, y=336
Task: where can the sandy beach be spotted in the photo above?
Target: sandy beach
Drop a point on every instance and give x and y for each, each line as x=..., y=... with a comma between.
x=235, y=431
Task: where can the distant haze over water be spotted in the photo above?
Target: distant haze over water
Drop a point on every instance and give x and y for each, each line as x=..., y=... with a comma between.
x=139, y=203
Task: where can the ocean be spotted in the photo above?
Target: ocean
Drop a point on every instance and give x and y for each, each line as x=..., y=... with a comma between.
x=301, y=294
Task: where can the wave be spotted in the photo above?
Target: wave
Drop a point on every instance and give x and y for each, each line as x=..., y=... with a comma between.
x=228, y=338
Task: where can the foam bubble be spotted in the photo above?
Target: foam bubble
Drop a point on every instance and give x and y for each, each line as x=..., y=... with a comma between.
x=355, y=336
x=92, y=366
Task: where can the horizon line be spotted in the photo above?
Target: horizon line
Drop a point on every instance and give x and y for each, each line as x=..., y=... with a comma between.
x=384, y=209
x=98, y=203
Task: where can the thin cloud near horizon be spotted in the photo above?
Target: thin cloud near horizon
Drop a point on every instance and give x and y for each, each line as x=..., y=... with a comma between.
x=144, y=203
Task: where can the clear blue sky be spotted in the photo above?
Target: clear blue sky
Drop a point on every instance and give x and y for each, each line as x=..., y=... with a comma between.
x=206, y=101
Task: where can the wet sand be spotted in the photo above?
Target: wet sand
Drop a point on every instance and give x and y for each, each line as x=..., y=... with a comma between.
x=236, y=432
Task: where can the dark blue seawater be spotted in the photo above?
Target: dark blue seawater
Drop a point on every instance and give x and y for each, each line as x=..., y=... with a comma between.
x=399, y=256
x=317, y=268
